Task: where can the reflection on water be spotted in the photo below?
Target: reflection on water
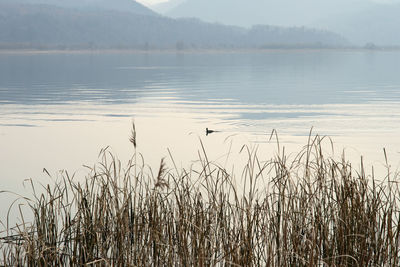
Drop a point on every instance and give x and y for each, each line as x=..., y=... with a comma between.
x=267, y=78
x=58, y=110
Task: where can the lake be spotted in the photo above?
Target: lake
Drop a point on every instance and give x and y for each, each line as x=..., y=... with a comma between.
x=57, y=110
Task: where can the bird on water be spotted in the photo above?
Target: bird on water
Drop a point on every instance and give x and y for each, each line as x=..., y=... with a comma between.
x=209, y=131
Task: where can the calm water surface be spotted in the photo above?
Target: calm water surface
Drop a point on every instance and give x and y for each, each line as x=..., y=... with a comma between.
x=58, y=110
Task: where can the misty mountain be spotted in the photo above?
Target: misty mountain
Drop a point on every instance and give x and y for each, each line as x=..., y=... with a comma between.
x=360, y=21
x=27, y=25
x=165, y=7
x=379, y=25
x=271, y=12
x=115, y=5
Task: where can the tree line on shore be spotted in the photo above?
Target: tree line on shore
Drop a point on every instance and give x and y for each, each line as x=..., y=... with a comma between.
x=46, y=26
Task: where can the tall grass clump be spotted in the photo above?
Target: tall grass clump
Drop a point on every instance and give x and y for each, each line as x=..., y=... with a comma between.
x=307, y=210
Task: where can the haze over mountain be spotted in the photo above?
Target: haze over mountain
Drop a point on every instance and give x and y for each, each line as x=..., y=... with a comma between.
x=379, y=25
x=165, y=7
x=115, y=5
x=269, y=12
x=127, y=24
x=360, y=21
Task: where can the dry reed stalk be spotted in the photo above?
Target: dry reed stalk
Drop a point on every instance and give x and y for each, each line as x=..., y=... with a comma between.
x=314, y=211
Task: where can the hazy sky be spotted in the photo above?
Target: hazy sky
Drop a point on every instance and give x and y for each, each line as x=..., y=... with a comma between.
x=151, y=2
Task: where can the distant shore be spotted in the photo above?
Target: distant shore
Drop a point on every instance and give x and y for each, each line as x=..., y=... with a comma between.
x=183, y=51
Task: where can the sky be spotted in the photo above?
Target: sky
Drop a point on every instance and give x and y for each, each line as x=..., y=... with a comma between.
x=151, y=2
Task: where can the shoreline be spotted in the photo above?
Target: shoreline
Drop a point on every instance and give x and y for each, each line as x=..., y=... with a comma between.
x=190, y=51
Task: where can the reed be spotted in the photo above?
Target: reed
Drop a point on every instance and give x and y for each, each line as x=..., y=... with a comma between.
x=308, y=211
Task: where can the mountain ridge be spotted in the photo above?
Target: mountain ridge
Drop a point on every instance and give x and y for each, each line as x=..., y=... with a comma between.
x=26, y=25
x=353, y=19
x=114, y=5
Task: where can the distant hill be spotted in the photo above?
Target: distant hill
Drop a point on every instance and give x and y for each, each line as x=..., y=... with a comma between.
x=49, y=26
x=271, y=12
x=379, y=25
x=360, y=21
x=115, y=5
